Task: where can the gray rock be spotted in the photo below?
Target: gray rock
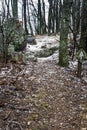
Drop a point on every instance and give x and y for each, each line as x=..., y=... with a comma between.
x=31, y=40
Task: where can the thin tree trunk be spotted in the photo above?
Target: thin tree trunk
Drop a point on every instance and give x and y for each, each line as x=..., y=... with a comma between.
x=15, y=9
x=44, y=21
x=57, y=17
x=29, y=22
x=79, y=71
x=25, y=16
x=50, y=17
x=76, y=24
x=39, y=18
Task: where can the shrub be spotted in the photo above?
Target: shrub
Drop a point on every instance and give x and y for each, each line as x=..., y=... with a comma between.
x=12, y=34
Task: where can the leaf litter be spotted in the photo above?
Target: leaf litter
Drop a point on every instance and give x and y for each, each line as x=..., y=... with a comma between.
x=41, y=96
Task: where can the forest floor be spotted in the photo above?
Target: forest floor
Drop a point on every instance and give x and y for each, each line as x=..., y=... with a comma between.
x=42, y=96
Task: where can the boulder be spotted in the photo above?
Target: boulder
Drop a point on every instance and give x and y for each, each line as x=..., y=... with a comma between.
x=31, y=40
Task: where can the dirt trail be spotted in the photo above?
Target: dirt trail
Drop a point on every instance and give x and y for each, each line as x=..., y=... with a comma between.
x=41, y=96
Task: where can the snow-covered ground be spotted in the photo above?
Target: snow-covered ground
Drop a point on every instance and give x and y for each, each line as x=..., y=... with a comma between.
x=43, y=43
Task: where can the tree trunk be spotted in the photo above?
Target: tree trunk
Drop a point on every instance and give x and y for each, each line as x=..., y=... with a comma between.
x=39, y=18
x=25, y=17
x=8, y=9
x=83, y=40
x=50, y=17
x=29, y=22
x=63, y=54
x=15, y=9
x=75, y=23
x=79, y=71
x=57, y=16
x=44, y=21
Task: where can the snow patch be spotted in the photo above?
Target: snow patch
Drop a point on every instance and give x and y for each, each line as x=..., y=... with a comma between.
x=43, y=42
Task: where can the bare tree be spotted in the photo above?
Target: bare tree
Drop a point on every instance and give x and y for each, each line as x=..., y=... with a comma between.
x=25, y=15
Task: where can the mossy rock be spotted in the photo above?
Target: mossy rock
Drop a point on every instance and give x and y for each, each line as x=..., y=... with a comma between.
x=46, y=52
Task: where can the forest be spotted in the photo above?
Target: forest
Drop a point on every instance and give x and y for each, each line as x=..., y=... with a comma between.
x=43, y=64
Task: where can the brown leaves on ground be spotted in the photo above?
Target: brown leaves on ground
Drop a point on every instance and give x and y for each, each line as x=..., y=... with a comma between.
x=40, y=96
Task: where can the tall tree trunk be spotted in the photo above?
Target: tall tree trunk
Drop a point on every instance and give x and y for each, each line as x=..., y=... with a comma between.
x=57, y=16
x=8, y=8
x=76, y=23
x=44, y=21
x=50, y=17
x=15, y=9
x=29, y=22
x=53, y=16
x=63, y=54
x=39, y=18
x=83, y=40
x=25, y=16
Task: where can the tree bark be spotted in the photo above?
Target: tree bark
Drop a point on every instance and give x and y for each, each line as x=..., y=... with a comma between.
x=25, y=16
x=63, y=53
x=83, y=40
x=15, y=9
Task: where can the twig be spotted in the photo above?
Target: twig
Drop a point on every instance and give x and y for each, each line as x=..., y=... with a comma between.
x=13, y=122
x=7, y=116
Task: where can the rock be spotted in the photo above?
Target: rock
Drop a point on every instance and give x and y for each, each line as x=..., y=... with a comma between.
x=46, y=52
x=31, y=40
x=43, y=46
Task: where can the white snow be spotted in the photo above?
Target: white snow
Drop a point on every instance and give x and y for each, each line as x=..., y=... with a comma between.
x=48, y=41
x=43, y=42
